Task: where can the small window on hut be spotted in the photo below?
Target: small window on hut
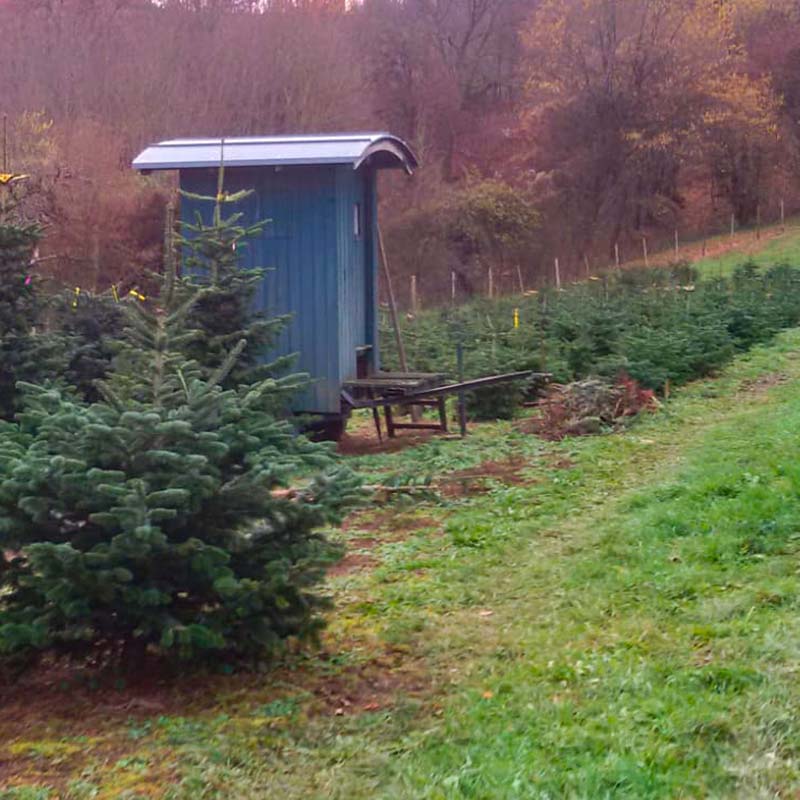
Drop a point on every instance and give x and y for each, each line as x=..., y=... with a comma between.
x=357, y=226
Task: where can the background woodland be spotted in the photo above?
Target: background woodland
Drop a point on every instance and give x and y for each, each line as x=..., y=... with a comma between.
x=545, y=127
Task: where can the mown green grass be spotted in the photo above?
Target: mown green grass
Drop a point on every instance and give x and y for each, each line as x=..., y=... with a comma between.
x=644, y=636
x=622, y=625
x=780, y=248
x=620, y=622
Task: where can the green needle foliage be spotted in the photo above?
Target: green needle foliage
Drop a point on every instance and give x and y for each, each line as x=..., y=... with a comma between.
x=157, y=518
x=24, y=353
x=225, y=312
x=91, y=327
x=660, y=326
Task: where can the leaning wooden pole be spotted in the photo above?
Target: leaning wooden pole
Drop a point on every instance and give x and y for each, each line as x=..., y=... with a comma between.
x=5, y=143
x=387, y=276
x=398, y=335
x=5, y=161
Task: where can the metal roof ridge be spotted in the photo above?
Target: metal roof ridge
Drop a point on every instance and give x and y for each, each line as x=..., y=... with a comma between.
x=283, y=139
x=303, y=149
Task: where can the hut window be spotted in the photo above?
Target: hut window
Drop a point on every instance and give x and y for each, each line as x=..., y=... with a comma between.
x=357, y=232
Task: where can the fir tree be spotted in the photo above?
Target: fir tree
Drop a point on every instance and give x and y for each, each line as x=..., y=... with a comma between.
x=25, y=353
x=90, y=326
x=226, y=312
x=158, y=517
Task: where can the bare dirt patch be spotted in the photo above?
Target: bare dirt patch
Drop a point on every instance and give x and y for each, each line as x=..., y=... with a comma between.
x=560, y=462
x=391, y=525
x=764, y=382
x=352, y=562
x=52, y=726
x=377, y=685
x=365, y=442
x=478, y=480
x=58, y=719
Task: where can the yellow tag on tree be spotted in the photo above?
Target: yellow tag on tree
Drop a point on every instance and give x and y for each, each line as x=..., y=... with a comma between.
x=7, y=178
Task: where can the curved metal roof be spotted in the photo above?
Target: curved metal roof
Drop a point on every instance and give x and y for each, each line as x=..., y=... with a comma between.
x=381, y=149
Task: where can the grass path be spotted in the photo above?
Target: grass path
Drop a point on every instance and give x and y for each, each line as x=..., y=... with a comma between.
x=643, y=635
x=777, y=246
x=616, y=618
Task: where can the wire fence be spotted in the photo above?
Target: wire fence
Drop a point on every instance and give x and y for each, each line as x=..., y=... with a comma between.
x=655, y=248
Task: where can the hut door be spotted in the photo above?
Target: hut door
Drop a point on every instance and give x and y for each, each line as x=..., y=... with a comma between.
x=352, y=278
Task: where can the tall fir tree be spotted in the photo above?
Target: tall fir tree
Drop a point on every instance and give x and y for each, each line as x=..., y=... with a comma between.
x=89, y=326
x=26, y=353
x=158, y=518
x=226, y=312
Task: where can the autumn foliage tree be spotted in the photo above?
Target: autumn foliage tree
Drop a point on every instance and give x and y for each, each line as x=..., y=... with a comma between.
x=629, y=100
x=618, y=118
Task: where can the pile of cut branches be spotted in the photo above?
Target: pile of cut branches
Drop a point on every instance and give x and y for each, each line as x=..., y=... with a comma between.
x=590, y=406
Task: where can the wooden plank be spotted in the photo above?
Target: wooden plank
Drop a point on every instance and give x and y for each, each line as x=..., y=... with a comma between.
x=419, y=426
x=418, y=375
x=441, y=391
x=367, y=383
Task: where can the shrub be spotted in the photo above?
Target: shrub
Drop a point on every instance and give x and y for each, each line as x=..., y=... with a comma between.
x=485, y=223
x=89, y=327
x=158, y=517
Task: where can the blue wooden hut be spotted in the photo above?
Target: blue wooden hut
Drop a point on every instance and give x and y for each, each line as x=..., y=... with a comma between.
x=320, y=246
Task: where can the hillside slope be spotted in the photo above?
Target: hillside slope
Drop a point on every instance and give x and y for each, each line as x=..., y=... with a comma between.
x=605, y=617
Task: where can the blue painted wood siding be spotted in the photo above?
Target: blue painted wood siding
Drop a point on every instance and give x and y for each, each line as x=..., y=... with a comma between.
x=317, y=267
x=352, y=284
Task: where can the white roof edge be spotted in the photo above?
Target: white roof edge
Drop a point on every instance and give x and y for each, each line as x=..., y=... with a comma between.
x=351, y=148
x=338, y=137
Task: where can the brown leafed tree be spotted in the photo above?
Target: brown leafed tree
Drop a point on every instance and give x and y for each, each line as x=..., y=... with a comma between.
x=628, y=100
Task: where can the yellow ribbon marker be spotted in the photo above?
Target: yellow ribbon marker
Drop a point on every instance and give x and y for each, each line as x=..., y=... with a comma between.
x=138, y=295
x=114, y=292
x=7, y=178
x=516, y=318
x=77, y=295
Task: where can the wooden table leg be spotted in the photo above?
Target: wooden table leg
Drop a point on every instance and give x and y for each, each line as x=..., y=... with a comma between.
x=376, y=417
x=389, y=421
x=443, y=413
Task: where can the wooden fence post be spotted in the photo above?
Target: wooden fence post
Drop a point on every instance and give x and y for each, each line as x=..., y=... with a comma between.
x=558, y=276
x=491, y=283
x=644, y=249
x=521, y=282
x=783, y=216
x=414, y=299
x=733, y=225
x=677, y=245
x=616, y=254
